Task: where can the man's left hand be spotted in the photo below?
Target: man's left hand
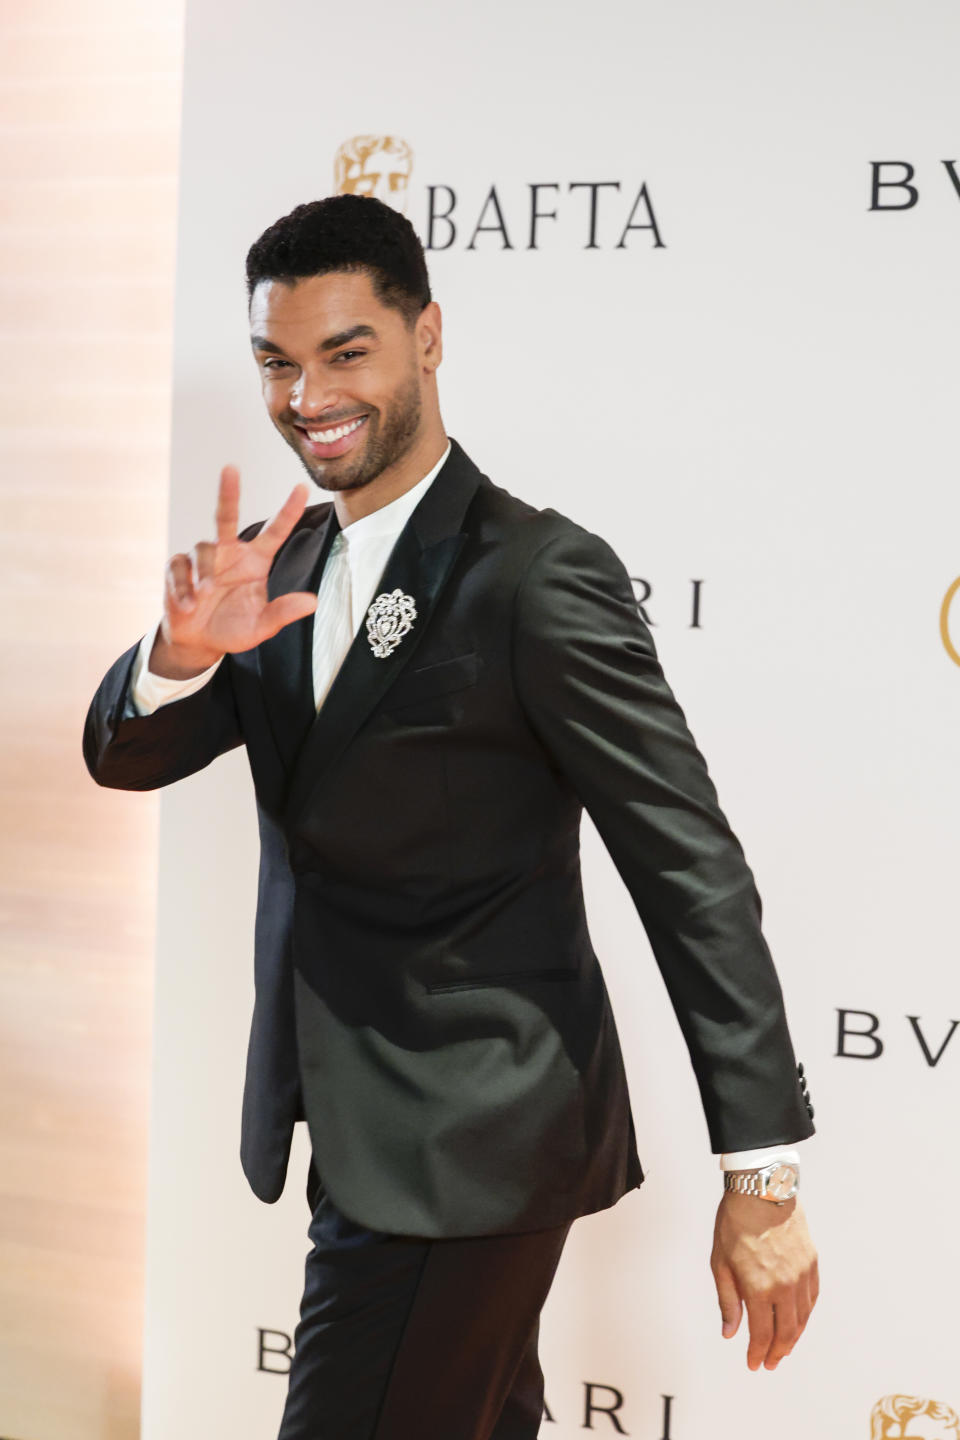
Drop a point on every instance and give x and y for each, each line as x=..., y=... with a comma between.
x=763, y=1258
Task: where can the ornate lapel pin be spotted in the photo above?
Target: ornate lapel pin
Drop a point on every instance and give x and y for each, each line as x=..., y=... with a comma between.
x=389, y=618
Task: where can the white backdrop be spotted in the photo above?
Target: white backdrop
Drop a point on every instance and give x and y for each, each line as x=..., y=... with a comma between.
x=763, y=402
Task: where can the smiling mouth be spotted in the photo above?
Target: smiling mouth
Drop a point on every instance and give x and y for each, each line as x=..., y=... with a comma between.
x=335, y=440
x=338, y=432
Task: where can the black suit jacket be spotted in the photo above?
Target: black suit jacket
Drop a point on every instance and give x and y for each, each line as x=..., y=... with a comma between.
x=427, y=993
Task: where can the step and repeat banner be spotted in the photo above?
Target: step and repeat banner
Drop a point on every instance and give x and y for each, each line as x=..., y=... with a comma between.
x=697, y=266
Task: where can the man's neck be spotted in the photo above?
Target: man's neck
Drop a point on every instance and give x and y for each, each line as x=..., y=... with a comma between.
x=393, y=482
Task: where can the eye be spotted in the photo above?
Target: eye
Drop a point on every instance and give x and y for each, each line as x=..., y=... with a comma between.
x=273, y=363
x=348, y=355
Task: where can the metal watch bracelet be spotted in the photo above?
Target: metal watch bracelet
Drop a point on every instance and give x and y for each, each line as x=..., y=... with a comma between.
x=776, y=1183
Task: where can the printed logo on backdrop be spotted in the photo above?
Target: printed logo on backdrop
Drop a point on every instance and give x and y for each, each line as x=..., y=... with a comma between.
x=892, y=187
x=598, y=1406
x=377, y=165
x=859, y=1037
x=678, y=602
x=584, y=214
x=945, y=609
x=901, y=1417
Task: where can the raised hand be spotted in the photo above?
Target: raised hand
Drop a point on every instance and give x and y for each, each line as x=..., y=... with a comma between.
x=215, y=599
x=763, y=1260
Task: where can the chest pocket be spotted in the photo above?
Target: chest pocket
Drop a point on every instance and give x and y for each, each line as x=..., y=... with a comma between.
x=416, y=689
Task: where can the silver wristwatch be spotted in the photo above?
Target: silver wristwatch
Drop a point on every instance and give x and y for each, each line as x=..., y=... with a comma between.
x=777, y=1183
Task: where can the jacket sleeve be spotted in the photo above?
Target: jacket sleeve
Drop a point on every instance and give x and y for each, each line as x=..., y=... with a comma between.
x=143, y=752
x=588, y=677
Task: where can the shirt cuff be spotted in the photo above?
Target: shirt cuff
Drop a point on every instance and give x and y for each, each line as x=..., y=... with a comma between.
x=148, y=691
x=756, y=1159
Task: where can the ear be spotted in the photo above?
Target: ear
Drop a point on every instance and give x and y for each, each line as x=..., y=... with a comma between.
x=429, y=332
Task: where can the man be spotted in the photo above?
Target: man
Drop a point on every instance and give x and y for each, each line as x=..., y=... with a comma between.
x=431, y=679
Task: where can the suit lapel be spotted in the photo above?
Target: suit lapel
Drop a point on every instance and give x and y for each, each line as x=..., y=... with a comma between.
x=419, y=566
x=286, y=661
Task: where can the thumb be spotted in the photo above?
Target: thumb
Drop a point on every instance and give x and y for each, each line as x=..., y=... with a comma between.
x=285, y=609
x=731, y=1306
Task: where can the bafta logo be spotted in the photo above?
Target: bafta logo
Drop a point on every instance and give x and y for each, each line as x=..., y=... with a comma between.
x=903, y=1417
x=377, y=165
x=948, y=644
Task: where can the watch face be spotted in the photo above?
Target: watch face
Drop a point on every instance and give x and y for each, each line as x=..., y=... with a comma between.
x=782, y=1184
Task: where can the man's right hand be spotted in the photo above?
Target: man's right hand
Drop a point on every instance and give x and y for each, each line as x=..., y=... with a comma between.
x=215, y=599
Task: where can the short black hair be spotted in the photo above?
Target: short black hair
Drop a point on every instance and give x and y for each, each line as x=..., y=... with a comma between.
x=355, y=233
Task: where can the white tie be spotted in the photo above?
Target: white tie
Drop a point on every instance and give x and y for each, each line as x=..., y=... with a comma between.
x=333, y=619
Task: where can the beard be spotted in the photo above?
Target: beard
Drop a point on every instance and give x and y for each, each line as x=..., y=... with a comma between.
x=389, y=435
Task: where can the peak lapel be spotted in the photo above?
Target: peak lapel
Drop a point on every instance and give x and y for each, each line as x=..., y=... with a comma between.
x=419, y=566
x=286, y=660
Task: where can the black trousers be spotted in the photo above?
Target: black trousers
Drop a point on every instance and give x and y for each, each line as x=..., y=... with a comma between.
x=410, y=1339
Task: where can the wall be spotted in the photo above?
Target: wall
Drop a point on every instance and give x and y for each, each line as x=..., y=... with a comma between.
x=89, y=119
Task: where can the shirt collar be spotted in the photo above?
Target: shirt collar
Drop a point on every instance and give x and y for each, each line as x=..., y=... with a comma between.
x=390, y=519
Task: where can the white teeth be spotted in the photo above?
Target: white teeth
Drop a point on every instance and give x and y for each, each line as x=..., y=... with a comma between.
x=327, y=437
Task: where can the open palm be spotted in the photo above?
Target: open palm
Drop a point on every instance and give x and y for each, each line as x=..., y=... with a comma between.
x=215, y=598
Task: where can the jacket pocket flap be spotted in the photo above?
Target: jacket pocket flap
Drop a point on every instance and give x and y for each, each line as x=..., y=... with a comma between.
x=439, y=679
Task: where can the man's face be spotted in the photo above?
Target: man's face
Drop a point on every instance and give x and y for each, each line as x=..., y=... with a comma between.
x=342, y=375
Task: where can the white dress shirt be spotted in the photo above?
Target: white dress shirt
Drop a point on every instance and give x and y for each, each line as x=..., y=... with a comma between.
x=356, y=562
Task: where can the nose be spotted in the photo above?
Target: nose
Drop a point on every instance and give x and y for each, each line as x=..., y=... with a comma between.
x=312, y=394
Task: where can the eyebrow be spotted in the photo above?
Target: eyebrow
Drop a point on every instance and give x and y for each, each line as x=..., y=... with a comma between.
x=260, y=342
x=356, y=332
x=333, y=342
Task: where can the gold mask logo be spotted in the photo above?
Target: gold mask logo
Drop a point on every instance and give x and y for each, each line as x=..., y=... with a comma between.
x=903, y=1417
x=378, y=165
x=948, y=644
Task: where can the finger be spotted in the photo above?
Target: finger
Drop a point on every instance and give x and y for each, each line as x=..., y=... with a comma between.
x=786, y=1329
x=178, y=580
x=731, y=1306
x=286, y=609
x=228, y=504
x=275, y=531
x=814, y=1283
x=204, y=558
x=761, y=1322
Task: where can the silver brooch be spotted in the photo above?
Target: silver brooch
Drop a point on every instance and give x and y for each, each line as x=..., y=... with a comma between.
x=389, y=618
